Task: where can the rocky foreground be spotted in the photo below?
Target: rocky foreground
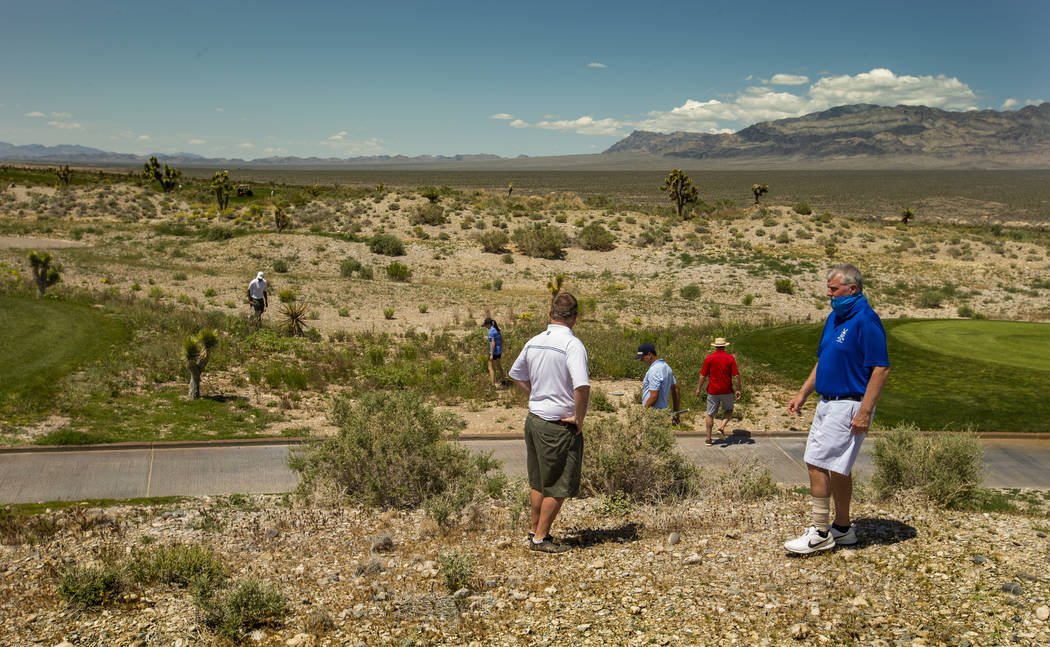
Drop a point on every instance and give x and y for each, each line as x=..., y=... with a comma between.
x=706, y=572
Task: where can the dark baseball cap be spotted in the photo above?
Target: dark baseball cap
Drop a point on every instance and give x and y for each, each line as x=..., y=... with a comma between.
x=644, y=349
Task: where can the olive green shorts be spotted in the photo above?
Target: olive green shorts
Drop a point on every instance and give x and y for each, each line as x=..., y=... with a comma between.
x=554, y=455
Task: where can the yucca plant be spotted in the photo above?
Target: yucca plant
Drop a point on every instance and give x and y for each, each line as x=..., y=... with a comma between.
x=44, y=276
x=293, y=319
x=197, y=350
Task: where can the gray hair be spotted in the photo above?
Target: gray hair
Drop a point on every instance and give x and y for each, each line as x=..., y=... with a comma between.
x=848, y=274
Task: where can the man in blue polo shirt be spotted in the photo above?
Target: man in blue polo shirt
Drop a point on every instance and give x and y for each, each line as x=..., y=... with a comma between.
x=851, y=369
x=659, y=382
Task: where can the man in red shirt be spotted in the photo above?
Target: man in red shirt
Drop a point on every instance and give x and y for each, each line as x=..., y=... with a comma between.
x=719, y=371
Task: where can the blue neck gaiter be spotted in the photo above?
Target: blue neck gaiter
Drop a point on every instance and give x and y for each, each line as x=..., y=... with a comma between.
x=843, y=305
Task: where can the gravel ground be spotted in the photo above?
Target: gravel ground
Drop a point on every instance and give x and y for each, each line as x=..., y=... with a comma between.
x=704, y=572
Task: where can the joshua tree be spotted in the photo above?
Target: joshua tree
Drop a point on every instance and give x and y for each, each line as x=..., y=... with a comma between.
x=221, y=185
x=168, y=178
x=907, y=215
x=281, y=220
x=680, y=190
x=197, y=350
x=44, y=276
x=510, y=189
x=65, y=175
x=431, y=193
x=759, y=190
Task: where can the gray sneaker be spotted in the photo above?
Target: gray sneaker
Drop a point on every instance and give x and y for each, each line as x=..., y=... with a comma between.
x=548, y=546
x=847, y=538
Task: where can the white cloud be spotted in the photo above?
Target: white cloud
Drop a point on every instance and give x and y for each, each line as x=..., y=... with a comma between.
x=61, y=115
x=338, y=136
x=271, y=149
x=788, y=79
x=518, y=123
x=1010, y=104
x=35, y=113
x=246, y=145
x=351, y=147
x=1034, y=102
x=143, y=138
x=196, y=142
x=502, y=115
x=883, y=87
x=65, y=125
x=220, y=110
x=585, y=126
x=598, y=65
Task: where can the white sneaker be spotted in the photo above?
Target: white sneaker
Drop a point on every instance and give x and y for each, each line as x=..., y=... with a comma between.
x=810, y=542
x=847, y=538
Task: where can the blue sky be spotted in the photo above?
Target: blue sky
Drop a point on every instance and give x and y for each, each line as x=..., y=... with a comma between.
x=341, y=79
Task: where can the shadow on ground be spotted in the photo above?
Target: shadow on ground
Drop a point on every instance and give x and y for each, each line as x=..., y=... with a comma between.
x=588, y=537
x=883, y=532
x=734, y=437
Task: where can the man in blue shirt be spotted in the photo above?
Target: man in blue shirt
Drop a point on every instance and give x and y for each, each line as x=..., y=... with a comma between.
x=658, y=382
x=851, y=369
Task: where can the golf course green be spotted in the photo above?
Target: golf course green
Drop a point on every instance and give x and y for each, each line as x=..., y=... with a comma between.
x=945, y=374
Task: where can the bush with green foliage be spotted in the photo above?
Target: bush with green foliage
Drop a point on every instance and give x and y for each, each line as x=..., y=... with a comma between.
x=784, y=286
x=690, y=292
x=348, y=266
x=802, y=208
x=90, y=586
x=456, y=569
x=494, y=241
x=387, y=245
x=540, y=240
x=293, y=317
x=945, y=467
x=638, y=458
x=179, y=564
x=248, y=605
x=428, y=214
x=596, y=237
x=280, y=266
x=411, y=459
x=398, y=272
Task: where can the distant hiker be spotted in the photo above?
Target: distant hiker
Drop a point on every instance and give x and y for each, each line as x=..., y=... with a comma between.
x=851, y=369
x=257, y=296
x=659, y=382
x=495, y=343
x=552, y=370
x=719, y=370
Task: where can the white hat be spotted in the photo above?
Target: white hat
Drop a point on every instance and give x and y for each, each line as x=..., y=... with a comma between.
x=259, y=275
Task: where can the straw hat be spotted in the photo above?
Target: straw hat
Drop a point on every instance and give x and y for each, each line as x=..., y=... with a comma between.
x=720, y=342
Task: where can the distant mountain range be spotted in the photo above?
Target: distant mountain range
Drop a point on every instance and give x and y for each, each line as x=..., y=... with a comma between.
x=854, y=136
x=906, y=135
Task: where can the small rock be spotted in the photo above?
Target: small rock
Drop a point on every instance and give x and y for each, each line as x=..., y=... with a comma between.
x=491, y=583
x=297, y=639
x=692, y=559
x=1043, y=613
x=64, y=643
x=461, y=593
x=598, y=564
x=1013, y=588
x=673, y=539
x=257, y=636
x=1040, y=533
x=980, y=559
x=271, y=532
x=584, y=627
x=799, y=631
x=519, y=596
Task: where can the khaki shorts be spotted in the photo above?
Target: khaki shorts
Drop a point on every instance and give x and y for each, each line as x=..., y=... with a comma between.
x=554, y=455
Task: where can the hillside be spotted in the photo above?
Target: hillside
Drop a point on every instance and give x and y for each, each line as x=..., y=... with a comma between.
x=908, y=135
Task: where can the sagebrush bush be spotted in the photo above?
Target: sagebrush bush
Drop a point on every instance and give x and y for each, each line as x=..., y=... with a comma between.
x=393, y=450
x=456, y=569
x=89, y=586
x=181, y=564
x=249, y=605
x=638, y=459
x=690, y=292
x=784, y=286
x=540, y=241
x=398, y=272
x=945, y=467
x=596, y=237
x=494, y=241
x=802, y=208
x=348, y=266
x=428, y=214
x=387, y=245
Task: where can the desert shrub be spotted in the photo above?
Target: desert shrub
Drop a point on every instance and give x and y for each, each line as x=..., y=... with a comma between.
x=784, y=286
x=348, y=266
x=280, y=266
x=802, y=208
x=540, y=240
x=248, y=605
x=946, y=467
x=398, y=272
x=292, y=319
x=929, y=298
x=965, y=311
x=25, y=529
x=89, y=586
x=748, y=299
x=689, y=292
x=494, y=242
x=638, y=459
x=428, y=214
x=507, y=259
x=746, y=481
x=387, y=245
x=411, y=459
x=595, y=236
x=600, y=401
x=388, y=313
x=286, y=295
x=181, y=564
x=456, y=569
x=366, y=272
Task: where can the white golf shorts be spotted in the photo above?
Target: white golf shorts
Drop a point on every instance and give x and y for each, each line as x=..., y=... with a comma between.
x=830, y=445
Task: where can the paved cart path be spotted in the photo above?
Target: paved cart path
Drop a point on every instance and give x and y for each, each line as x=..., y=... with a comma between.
x=29, y=475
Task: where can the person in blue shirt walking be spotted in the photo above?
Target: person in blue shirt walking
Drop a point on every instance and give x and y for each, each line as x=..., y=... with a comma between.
x=495, y=351
x=659, y=382
x=851, y=370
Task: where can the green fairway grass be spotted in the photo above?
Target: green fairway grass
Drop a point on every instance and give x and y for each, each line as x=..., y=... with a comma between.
x=981, y=375
x=44, y=341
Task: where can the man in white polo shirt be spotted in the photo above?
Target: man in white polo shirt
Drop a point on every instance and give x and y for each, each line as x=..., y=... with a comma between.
x=552, y=371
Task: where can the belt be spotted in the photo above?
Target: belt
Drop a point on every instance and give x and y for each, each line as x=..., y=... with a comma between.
x=855, y=398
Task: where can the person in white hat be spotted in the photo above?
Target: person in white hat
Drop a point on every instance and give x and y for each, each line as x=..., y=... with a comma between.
x=719, y=371
x=257, y=296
